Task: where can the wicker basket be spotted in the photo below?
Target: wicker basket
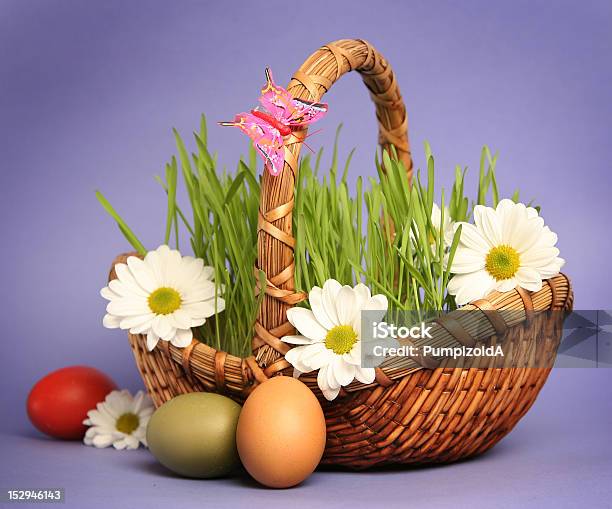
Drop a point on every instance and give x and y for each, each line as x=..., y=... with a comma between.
x=412, y=413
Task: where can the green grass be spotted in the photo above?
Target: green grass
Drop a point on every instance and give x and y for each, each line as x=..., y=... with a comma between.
x=401, y=253
x=380, y=234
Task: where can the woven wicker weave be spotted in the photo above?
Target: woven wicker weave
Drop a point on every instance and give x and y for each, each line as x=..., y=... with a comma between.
x=412, y=413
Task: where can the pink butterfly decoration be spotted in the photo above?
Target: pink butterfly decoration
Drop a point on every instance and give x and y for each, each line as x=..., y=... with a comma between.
x=282, y=115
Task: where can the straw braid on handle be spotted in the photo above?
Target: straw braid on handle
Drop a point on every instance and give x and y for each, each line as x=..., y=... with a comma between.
x=275, y=237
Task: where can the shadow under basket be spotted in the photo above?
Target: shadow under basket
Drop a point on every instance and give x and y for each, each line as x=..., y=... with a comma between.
x=413, y=413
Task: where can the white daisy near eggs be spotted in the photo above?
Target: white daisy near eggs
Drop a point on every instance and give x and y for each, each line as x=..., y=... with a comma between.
x=120, y=420
x=162, y=296
x=330, y=335
x=508, y=246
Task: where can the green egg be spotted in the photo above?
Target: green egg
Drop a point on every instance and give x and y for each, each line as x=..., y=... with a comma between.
x=194, y=435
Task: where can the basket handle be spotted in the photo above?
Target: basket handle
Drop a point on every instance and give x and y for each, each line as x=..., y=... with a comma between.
x=275, y=241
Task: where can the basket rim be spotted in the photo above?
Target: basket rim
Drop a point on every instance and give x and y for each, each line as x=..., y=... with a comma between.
x=224, y=371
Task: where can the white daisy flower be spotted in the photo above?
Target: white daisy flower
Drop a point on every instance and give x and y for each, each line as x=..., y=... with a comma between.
x=330, y=335
x=508, y=246
x=162, y=296
x=120, y=420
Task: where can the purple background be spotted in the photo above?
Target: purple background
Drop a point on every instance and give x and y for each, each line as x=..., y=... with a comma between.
x=88, y=94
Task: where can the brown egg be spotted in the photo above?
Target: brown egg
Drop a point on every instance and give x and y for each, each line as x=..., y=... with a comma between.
x=281, y=432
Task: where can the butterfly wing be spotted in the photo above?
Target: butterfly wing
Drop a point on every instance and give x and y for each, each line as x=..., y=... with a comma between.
x=284, y=108
x=273, y=154
x=266, y=138
x=306, y=112
x=276, y=100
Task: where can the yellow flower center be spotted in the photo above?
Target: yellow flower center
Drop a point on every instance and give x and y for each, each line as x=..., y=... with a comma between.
x=127, y=423
x=502, y=262
x=341, y=339
x=164, y=301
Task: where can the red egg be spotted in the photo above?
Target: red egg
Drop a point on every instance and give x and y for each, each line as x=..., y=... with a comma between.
x=58, y=403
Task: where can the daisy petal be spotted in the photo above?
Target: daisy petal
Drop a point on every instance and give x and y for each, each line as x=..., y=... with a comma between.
x=203, y=309
x=330, y=394
x=152, y=340
x=467, y=260
x=154, y=262
x=473, y=239
x=539, y=256
x=322, y=379
x=203, y=291
x=365, y=375
x=135, y=322
x=305, y=322
x=354, y=356
x=486, y=220
x=142, y=274
x=344, y=372
x=332, y=381
x=377, y=303
x=506, y=285
x=111, y=321
x=547, y=237
x=331, y=287
x=552, y=269
x=182, y=320
x=527, y=235
x=529, y=279
x=294, y=357
x=124, y=275
x=101, y=441
x=108, y=294
x=162, y=326
x=362, y=295
x=120, y=444
x=126, y=306
x=315, y=298
x=469, y=287
x=297, y=340
x=131, y=442
x=345, y=305
x=182, y=338
x=317, y=355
